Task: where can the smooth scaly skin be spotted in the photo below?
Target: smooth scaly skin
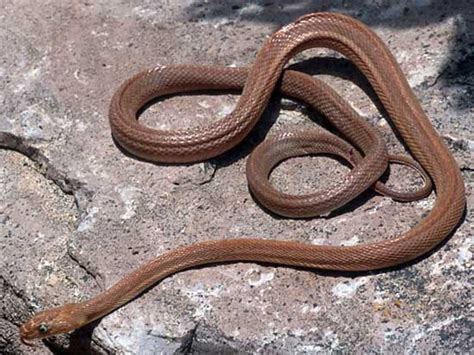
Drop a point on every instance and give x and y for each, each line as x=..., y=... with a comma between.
x=369, y=54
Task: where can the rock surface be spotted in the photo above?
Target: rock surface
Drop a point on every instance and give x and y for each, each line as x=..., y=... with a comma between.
x=76, y=213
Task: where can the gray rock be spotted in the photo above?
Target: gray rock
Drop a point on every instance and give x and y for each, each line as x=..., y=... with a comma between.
x=76, y=213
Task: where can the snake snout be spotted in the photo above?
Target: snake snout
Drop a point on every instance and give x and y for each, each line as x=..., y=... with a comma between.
x=26, y=331
x=27, y=342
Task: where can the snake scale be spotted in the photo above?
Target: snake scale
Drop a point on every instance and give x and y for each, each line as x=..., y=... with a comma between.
x=362, y=148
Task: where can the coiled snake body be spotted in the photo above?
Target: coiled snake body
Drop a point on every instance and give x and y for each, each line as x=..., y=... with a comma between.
x=366, y=152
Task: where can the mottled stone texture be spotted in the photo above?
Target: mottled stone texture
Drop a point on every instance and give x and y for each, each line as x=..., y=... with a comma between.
x=76, y=213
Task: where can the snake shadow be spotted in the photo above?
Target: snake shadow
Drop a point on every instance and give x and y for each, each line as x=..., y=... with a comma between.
x=240, y=151
x=338, y=67
x=457, y=70
x=79, y=341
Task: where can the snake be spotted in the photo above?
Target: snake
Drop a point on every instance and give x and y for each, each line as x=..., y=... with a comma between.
x=355, y=142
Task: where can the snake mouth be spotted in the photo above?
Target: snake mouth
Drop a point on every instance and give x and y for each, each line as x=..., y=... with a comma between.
x=25, y=339
x=27, y=342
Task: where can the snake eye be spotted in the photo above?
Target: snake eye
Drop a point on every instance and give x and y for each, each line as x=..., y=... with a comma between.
x=43, y=328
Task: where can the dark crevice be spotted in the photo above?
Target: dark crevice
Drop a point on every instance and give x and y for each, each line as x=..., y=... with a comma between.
x=457, y=144
x=222, y=345
x=68, y=186
x=14, y=290
x=187, y=341
x=8, y=288
x=100, y=348
x=441, y=75
x=94, y=275
x=209, y=177
x=25, y=147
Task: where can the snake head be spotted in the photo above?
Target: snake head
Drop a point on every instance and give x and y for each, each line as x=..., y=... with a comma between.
x=51, y=322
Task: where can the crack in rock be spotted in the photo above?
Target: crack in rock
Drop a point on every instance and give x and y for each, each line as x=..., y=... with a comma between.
x=187, y=341
x=8, y=288
x=98, y=280
x=202, y=174
x=23, y=146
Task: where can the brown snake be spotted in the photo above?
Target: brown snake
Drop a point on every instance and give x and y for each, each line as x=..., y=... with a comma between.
x=366, y=153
